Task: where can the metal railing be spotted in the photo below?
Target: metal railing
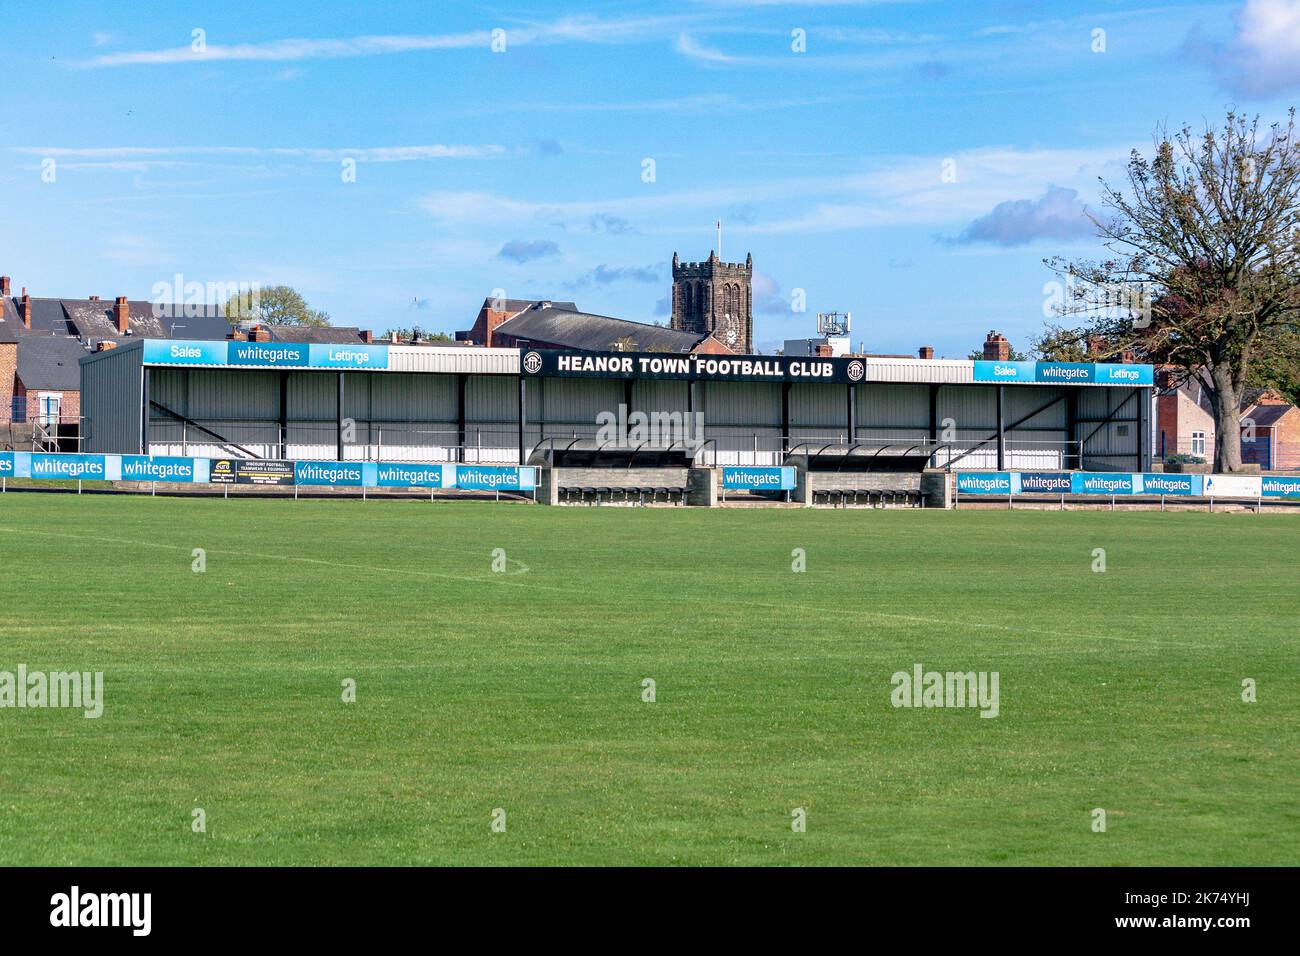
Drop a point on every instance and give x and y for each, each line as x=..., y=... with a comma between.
x=66, y=433
x=498, y=443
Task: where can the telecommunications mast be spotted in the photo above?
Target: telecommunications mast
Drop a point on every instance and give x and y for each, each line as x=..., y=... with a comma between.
x=834, y=325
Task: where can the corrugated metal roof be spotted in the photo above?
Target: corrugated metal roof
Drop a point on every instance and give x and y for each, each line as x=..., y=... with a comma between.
x=449, y=359
x=50, y=362
x=597, y=333
x=942, y=371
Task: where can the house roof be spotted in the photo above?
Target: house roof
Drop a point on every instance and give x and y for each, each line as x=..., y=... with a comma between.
x=319, y=335
x=51, y=362
x=598, y=333
x=92, y=320
x=1265, y=416
x=515, y=306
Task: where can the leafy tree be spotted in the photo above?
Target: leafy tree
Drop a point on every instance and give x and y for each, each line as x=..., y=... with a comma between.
x=1205, y=267
x=276, y=305
x=1278, y=364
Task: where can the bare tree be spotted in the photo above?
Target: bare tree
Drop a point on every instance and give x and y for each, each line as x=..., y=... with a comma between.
x=1206, y=263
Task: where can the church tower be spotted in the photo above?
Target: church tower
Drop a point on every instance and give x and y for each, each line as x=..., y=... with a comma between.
x=716, y=297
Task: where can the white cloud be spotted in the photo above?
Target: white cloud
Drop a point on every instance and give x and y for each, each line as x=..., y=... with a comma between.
x=141, y=156
x=903, y=190
x=688, y=46
x=296, y=49
x=583, y=29
x=1263, y=58
x=1057, y=214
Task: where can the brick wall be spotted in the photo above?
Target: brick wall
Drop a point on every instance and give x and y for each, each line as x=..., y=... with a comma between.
x=1287, y=450
x=8, y=368
x=69, y=402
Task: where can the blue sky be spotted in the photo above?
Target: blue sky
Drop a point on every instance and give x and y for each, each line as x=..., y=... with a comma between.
x=524, y=168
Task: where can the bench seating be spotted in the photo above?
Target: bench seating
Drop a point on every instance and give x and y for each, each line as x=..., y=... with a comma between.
x=624, y=494
x=873, y=497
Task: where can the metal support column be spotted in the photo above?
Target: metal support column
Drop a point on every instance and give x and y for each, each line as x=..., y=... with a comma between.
x=853, y=414
x=523, y=416
x=1144, y=428
x=1072, y=448
x=339, y=419
x=284, y=414
x=460, y=418
x=934, y=414
x=785, y=417
x=1002, y=431
x=144, y=410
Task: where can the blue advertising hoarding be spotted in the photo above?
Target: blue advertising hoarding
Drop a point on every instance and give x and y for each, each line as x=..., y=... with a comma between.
x=1004, y=371
x=987, y=483
x=404, y=475
x=347, y=356
x=1159, y=483
x=6, y=464
x=275, y=354
x=265, y=354
x=1101, y=483
x=1281, y=486
x=758, y=479
x=153, y=468
x=348, y=474
x=495, y=478
x=169, y=352
x=1064, y=373
x=1044, y=482
x=1122, y=374
x=42, y=465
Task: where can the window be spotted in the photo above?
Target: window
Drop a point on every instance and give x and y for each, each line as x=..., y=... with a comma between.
x=48, y=408
x=1198, y=443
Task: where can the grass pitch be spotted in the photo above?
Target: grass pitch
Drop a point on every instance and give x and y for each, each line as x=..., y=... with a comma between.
x=523, y=691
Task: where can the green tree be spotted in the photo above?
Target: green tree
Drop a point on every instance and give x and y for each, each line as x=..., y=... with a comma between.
x=276, y=305
x=1205, y=262
x=1278, y=364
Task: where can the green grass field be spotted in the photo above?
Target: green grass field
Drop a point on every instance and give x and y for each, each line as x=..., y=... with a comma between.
x=523, y=690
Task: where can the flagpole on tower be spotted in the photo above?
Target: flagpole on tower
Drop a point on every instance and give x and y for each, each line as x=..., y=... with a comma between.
x=719, y=240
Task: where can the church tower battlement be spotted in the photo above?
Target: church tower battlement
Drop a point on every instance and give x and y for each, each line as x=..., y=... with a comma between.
x=717, y=298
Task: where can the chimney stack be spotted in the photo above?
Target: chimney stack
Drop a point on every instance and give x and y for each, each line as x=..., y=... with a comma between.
x=996, y=347
x=105, y=345
x=27, y=308
x=4, y=285
x=258, y=334
x=122, y=315
x=926, y=352
x=367, y=336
